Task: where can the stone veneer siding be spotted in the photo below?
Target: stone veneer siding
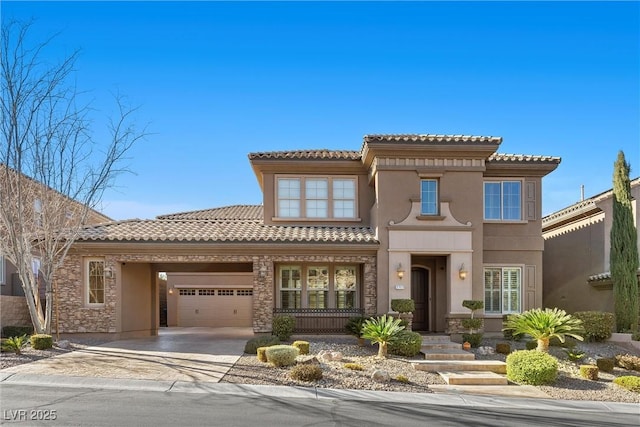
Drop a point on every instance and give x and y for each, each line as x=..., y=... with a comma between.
x=76, y=316
x=14, y=311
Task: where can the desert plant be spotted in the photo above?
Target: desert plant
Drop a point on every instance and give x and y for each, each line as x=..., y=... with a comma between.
x=573, y=354
x=589, y=372
x=402, y=379
x=251, y=347
x=635, y=336
x=531, y=345
x=406, y=344
x=281, y=355
x=503, y=348
x=16, y=331
x=283, y=326
x=508, y=333
x=381, y=330
x=302, y=346
x=473, y=339
x=630, y=382
x=14, y=344
x=354, y=326
x=531, y=367
x=403, y=305
x=605, y=364
x=307, y=373
x=261, y=354
x=41, y=341
x=598, y=325
x=354, y=366
x=542, y=325
x=628, y=361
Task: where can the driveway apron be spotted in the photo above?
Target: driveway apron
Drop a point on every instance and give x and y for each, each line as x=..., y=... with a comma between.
x=176, y=354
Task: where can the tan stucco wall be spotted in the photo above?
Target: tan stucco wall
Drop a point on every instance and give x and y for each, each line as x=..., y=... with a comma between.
x=136, y=297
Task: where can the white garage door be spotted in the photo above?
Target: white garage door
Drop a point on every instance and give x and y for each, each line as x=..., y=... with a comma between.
x=215, y=307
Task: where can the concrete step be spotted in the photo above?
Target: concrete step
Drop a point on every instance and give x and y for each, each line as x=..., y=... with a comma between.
x=460, y=365
x=435, y=339
x=473, y=378
x=441, y=345
x=447, y=354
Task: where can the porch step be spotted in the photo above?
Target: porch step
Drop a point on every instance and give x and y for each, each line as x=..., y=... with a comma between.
x=447, y=354
x=441, y=345
x=473, y=378
x=435, y=339
x=460, y=365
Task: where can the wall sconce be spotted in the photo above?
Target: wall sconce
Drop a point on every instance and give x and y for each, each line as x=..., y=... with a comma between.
x=462, y=272
x=171, y=290
x=108, y=273
x=400, y=271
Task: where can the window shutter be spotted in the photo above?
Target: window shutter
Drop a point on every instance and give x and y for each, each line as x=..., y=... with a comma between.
x=530, y=201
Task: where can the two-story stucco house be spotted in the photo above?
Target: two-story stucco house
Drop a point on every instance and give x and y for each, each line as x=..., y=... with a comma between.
x=439, y=219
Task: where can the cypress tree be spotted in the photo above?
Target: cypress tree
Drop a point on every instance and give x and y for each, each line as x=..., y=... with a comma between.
x=624, y=250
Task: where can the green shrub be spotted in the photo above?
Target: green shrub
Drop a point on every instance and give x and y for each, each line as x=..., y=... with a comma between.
x=589, y=372
x=543, y=325
x=406, y=343
x=473, y=305
x=503, y=348
x=402, y=379
x=635, y=336
x=261, y=354
x=251, y=347
x=282, y=355
x=16, y=331
x=573, y=354
x=531, y=345
x=41, y=341
x=628, y=361
x=473, y=339
x=14, y=344
x=403, y=305
x=598, y=325
x=475, y=323
x=302, y=346
x=354, y=366
x=354, y=325
x=605, y=364
x=630, y=382
x=531, y=367
x=283, y=327
x=306, y=373
x=508, y=333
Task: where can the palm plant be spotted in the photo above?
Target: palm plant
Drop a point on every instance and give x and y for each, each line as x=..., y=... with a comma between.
x=542, y=325
x=381, y=330
x=15, y=344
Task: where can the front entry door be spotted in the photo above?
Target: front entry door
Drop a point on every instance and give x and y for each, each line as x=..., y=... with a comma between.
x=420, y=295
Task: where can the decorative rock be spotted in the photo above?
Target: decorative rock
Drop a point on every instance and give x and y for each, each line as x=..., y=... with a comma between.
x=380, y=376
x=336, y=356
x=307, y=360
x=325, y=356
x=63, y=344
x=485, y=350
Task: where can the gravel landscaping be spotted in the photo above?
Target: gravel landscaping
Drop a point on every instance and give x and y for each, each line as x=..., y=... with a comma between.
x=249, y=370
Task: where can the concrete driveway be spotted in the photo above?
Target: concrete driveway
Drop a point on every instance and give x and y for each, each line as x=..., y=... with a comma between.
x=176, y=354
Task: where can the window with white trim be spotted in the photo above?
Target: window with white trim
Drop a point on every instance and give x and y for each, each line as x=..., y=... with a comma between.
x=316, y=197
x=429, y=197
x=502, y=290
x=2, y=270
x=95, y=281
x=503, y=200
x=323, y=287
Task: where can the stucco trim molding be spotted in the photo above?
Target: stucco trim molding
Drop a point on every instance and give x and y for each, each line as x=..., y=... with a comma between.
x=415, y=217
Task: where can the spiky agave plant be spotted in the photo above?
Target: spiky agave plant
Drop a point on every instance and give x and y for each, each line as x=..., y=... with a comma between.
x=542, y=325
x=15, y=344
x=381, y=330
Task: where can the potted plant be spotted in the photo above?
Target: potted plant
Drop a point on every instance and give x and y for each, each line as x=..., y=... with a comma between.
x=405, y=309
x=354, y=327
x=474, y=338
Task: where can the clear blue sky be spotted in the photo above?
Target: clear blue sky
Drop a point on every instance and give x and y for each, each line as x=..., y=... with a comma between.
x=219, y=80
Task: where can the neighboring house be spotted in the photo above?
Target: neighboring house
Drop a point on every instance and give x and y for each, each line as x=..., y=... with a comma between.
x=576, y=253
x=439, y=219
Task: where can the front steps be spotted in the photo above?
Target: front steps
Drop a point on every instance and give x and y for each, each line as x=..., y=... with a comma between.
x=456, y=366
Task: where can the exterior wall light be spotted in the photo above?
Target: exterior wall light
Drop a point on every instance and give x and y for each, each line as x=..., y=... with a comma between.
x=400, y=271
x=462, y=272
x=171, y=290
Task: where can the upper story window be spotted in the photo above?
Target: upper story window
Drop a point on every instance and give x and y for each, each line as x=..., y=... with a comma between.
x=316, y=197
x=37, y=212
x=429, y=197
x=503, y=200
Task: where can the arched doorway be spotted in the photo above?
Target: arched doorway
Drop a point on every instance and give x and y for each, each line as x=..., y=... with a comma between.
x=420, y=295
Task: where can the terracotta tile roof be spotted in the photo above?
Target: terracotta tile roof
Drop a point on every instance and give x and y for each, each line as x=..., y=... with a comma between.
x=431, y=138
x=233, y=212
x=194, y=230
x=520, y=158
x=321, y=154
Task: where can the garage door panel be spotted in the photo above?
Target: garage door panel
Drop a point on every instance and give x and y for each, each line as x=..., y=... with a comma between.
x=215, y=307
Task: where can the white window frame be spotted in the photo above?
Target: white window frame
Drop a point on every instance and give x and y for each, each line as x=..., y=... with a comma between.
x=504, y=288
x=2, y=270
x=291, y=200
x=422, y=199
x=292, y=289
x=344, y=200
x=87, y=282
x=321, y=294
x=304, y=199
x=502, y=200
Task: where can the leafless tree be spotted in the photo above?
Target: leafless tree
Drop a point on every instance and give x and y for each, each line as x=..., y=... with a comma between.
x=53, y=171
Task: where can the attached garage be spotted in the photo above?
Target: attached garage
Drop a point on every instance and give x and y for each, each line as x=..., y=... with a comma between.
x=211, y=299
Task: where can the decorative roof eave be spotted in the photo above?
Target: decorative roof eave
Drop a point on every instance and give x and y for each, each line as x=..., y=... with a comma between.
x=604, y=280
x=521, y=165
x=431, y=139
